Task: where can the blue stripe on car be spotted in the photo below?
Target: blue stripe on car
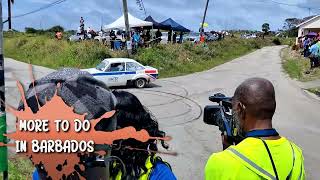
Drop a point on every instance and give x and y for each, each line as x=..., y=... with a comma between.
x=112, y=73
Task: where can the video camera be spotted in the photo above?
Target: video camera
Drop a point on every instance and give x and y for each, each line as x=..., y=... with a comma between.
x=221, y=115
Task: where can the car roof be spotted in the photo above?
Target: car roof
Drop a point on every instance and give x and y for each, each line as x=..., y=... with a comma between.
x=113, y=60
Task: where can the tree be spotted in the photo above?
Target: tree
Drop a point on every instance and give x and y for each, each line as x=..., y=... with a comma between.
x=290, y=26
x=56, y=29
x=265, y=29
x=291, y=23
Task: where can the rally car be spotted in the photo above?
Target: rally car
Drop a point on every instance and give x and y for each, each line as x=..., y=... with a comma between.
x=123, y=72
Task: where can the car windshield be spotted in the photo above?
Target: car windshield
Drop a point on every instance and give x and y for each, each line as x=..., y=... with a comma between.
x=101, y=66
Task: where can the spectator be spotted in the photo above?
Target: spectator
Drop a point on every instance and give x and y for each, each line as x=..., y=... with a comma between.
x=158, y=36
x=202, y=38
x=263, y=153
x=181, y=37
x=148, y=35
x=169, y=36
x=91, y=97
x=136, y=39
x=174, y=37
x=306, y=44
x=82, y=25
x=58, y=35
x=112, y=38
x=314, y=54
x=141, y=161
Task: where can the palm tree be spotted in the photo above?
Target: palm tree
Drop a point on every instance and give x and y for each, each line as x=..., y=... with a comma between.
x=9, y=12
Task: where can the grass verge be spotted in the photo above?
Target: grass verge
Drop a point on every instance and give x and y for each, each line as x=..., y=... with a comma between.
x=19, y=168
x=297, y=66
x=315, y=91
x=171, y=60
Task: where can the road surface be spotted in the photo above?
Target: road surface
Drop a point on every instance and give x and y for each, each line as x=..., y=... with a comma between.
x=178, y=102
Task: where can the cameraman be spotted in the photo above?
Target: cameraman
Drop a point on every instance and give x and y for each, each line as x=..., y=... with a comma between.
x=263, y=154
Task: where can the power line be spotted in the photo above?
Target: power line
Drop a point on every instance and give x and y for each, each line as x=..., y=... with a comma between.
x=40, y=9
x=288, y=4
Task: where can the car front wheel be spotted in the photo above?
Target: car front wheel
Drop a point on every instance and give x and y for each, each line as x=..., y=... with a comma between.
x=140, y=83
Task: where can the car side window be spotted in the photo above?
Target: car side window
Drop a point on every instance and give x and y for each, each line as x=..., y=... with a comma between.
x=132, y=66
x=114, y=67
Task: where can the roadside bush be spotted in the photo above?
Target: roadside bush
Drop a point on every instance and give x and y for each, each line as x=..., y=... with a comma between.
x=30, y=30
x=276, y=41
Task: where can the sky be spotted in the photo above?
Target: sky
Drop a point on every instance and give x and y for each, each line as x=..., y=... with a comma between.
x=222, y=14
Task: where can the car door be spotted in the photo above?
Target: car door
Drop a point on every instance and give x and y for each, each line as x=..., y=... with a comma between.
x=132, y=68
x=116, y=74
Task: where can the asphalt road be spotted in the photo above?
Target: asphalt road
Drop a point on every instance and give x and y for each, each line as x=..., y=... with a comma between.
x=178, y=102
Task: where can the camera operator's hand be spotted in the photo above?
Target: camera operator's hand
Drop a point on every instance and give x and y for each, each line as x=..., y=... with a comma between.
x=225, y=143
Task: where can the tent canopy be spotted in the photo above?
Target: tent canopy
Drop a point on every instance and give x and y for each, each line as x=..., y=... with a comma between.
x=133, y=22
x=174, y=25
x=157, y=25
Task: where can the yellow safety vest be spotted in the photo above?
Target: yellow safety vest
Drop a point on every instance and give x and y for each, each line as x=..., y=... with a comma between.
x=250, y=160
x=144, y=176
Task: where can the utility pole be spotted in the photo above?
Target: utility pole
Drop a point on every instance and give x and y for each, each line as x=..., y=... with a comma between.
x=204, y=16
x=9, y=14
x=126, y=21
x=3, y=123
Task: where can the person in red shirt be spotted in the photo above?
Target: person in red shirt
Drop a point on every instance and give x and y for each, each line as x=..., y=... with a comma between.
x=202, y=38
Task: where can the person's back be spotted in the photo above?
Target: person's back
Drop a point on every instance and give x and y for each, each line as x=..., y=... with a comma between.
x=314, y=49
x=249, y=160
x=262, y=153
x=136, y=37
x=141, y=161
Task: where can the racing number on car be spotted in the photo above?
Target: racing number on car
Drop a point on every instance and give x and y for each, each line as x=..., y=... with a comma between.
x=114, y=79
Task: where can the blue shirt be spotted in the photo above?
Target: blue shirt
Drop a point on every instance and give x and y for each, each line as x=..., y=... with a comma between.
x=306, y=43
x=314, y=50
x=136, y=37
x=162, y=172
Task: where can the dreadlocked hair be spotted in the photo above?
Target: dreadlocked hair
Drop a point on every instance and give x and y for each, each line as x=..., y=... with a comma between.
x=133, y=153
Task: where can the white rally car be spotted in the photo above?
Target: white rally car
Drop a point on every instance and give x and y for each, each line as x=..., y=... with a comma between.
x=122, y=72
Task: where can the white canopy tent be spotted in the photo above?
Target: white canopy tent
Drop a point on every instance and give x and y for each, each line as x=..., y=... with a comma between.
x=133, y=22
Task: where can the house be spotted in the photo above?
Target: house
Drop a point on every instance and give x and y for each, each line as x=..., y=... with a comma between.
x=311, y=25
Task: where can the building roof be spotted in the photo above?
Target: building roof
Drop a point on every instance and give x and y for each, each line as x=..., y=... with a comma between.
x=309, y=21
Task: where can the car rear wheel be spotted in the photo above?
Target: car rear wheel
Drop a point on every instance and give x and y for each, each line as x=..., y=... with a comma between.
x=140, y=83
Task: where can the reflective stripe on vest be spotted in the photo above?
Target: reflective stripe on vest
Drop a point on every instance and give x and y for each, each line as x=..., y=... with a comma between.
x=252, y=164
x=300, y=172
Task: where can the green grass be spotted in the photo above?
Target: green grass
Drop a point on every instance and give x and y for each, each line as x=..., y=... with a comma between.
x=171, y=60
x=316, y=91
x=297, y=66
x=19, y=168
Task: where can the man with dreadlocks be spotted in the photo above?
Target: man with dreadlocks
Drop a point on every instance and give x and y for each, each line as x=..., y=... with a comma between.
x=139, y=158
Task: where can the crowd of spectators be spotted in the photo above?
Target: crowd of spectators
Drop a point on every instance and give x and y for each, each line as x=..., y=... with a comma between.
x=310, y=44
